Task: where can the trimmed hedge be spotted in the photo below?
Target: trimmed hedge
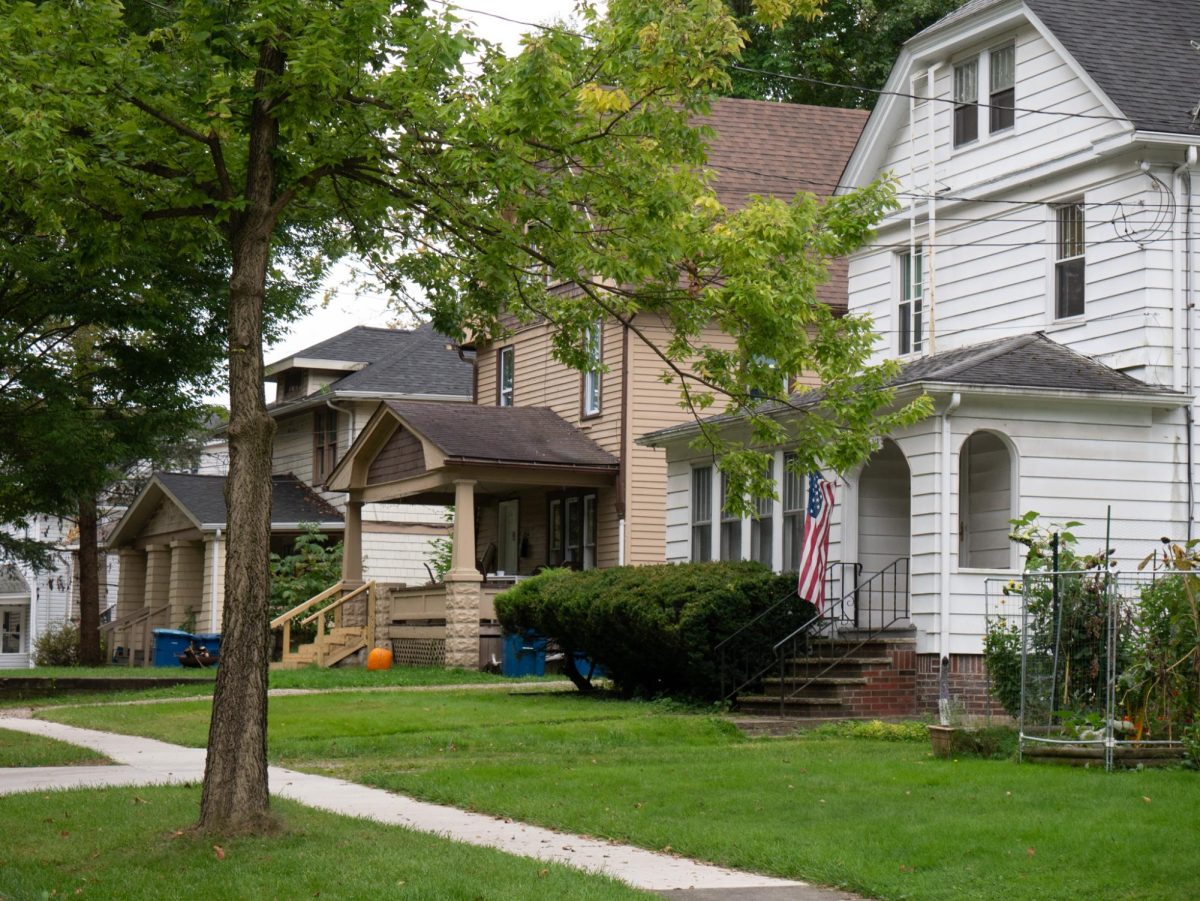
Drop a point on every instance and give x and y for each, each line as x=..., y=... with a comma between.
x=653, y=628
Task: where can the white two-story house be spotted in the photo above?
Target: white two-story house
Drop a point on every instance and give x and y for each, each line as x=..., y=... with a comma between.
x=1038, y=282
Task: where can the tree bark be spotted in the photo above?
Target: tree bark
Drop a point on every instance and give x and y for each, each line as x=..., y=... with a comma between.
x=89, y=585
x=235, y=797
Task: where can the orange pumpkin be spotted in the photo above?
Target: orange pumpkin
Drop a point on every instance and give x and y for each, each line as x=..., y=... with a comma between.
x=379, y=658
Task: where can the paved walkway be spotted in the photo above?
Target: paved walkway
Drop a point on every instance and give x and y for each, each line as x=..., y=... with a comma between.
x=144, y=761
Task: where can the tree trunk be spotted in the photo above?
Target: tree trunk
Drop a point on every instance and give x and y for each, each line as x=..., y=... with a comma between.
x=235, y=797
x=89, y=585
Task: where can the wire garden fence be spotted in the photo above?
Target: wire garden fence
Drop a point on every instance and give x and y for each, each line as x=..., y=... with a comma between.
x=1096, y=665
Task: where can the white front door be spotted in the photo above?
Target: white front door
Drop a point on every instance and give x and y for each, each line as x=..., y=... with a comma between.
x=509, y=543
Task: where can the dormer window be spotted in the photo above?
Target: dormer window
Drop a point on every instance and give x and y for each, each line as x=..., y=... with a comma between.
x=1002, y=88
x=966, y=102
x=293, y=383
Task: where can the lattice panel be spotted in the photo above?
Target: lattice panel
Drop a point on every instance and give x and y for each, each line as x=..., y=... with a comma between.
x=419, y=651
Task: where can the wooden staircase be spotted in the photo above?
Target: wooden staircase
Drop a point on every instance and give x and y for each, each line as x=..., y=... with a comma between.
x=852, y=675
x=334, y=641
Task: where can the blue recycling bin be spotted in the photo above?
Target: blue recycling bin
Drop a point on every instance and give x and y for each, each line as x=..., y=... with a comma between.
x=168, y=645
x=210, y=641
x=524, y=655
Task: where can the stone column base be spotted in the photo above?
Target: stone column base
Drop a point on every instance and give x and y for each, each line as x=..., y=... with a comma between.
x=462, y=623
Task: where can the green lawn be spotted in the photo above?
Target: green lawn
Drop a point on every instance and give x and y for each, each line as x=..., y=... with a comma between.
x=882, y=818
x=21, y=749
x=133, y=844
x=202, y=681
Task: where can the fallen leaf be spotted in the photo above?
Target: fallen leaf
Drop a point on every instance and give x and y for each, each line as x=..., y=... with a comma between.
x=1029, y=851
x=64, y=834
x=542, y=874
x=637, y=805
x=219, y=851
x=1144, y=798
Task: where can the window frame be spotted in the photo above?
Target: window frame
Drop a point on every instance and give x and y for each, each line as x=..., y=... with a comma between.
x=561, y=507
x=325, y=443
x=996, y=107
x=762, y=525
x=1069, y=268
x=793, y=516
x=591, y=384
x=701, y=551
x=730, y=535
x=910, y=306
x=965, y=111
x=506, y=358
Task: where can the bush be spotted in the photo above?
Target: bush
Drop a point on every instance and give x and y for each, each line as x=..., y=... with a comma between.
x=875, y=730
x=653, y=628
x=58, y=645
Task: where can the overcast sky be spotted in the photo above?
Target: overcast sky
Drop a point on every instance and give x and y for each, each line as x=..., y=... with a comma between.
x=340, y=306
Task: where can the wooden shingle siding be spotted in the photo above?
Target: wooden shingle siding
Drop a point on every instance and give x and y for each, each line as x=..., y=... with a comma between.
x=402, y=456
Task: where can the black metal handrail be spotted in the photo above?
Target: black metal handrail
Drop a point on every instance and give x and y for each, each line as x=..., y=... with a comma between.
x=889, y=584
x=758, y=659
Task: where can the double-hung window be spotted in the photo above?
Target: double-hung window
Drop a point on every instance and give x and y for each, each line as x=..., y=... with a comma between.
x=701, y=514
x=911, y=313
x=731, y=526
x=1068, y=264
x=966, y=102
x=324, y=444
x=793, y=514
x=1002, y=77
x=591, y=378
x=506, y=371
x=761, y=535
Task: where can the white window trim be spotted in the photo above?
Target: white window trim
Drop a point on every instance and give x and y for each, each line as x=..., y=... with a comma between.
x=503, y=399
x=1052, y=320
x=593, y=379
x=1003, y=45
x=898, y=293
x=983, y=87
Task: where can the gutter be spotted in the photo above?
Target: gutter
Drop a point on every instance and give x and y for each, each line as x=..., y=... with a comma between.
x=944, y=578
x=1182, y=315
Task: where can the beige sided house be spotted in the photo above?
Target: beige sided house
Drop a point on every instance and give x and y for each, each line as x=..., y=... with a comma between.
x=171, y=539
x=546, y=460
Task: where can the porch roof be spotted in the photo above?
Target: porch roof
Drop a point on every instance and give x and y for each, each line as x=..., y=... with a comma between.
x=418, y=449
x=1016, y=364
x=201, y=498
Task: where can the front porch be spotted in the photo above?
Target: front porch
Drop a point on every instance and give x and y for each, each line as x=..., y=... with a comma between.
x=527, y=489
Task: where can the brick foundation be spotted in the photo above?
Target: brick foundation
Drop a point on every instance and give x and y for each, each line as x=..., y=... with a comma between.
x=968, y=684
x=891, y=688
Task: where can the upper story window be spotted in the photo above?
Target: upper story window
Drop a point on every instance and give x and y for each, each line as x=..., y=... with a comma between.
x=293, y=383
x=1002, y=80
x=701, y=514
x=506, y=366
x=591, y=378
x=966, y=102
x=910, y=317
x=1068, y=261
x=324, y=444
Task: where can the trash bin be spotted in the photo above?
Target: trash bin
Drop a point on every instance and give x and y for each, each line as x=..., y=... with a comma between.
x=524, y=655
x=168, y=645
x=210, y=641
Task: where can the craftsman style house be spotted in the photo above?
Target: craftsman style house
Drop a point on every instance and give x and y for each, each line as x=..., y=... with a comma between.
x=170, y=540
x=545, y=461
x=1038, y=284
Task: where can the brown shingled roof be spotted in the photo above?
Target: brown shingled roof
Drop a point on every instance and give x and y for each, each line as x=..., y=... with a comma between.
x=508, y=435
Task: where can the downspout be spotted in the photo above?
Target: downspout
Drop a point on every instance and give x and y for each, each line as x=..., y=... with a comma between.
x=944, y=578
x=931, y=273
x=1184, y=308
x=212, y=607
x=626, y=447
x=30, y=632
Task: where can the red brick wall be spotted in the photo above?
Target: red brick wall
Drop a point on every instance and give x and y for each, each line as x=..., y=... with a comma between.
x=968, y=684
x=890, y=690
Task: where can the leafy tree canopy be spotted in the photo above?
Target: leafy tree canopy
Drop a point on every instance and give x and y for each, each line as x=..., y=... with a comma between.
x=853, y=42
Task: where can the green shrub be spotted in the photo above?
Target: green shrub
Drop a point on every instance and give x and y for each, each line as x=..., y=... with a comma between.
x=58, y=645
x=876, y=730
x=653, y=628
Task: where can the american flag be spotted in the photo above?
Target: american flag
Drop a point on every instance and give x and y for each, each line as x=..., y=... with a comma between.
x=811, y=585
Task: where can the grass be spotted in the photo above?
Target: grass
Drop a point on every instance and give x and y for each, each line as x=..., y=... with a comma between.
x=135, y=844
x=202, y=681
x=21, y=749
x=881, y=817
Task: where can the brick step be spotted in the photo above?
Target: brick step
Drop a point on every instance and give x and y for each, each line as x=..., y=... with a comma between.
x=882, y=660
x=801, y=707
x=818, y=682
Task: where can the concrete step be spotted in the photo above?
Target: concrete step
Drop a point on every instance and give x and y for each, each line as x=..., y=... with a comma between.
x=818, y=682
x=799, y=707
x=881, y=660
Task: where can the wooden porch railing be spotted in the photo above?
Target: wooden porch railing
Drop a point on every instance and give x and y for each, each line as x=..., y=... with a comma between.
x=138, y=624
x=322, y=645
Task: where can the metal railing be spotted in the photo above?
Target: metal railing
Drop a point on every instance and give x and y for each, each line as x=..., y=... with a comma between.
x=746, y=655
x=882, y=600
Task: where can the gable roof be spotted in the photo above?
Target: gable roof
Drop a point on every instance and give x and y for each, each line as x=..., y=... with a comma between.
x=417, y=362
x=1024, y=362
x=1139, y=54
x=513, y=435
x=201, y=498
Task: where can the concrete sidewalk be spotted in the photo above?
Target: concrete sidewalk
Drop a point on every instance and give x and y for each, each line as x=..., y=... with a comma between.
x=144, y=761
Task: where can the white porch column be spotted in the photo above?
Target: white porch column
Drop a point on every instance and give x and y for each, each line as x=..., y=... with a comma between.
x=462, y=583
